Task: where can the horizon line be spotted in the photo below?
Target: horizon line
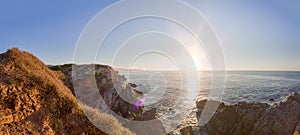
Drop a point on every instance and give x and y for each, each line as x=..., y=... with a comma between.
x=166, y=69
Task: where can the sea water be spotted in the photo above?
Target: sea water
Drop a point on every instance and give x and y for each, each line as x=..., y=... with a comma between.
x=164, y=88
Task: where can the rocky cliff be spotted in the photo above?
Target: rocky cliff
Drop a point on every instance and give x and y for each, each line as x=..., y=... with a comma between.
x=117, y=95
x=109, y=84
x=34, y=100
x=255, y=118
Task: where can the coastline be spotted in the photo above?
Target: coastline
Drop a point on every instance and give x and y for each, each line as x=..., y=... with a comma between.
x=25, y=77
x=248, y=118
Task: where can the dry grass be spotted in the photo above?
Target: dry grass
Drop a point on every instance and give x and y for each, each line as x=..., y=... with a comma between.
x=34, y=100
x=106, y=122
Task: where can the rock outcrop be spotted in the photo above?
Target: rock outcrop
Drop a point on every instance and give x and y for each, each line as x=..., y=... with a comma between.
x=101, y=87
x=109, y=85
x=34, y=100
x=255, y=118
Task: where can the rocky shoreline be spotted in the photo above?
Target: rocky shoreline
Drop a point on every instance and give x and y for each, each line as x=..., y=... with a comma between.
x=240, y=118
x=35, y=99
x=249, y=119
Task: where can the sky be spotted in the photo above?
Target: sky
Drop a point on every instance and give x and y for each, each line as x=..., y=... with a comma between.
x=254, y=34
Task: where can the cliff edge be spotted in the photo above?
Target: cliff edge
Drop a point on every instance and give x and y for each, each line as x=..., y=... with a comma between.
x=34, y=100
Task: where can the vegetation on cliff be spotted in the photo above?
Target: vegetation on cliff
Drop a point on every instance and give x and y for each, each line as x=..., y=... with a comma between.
x=34, y=100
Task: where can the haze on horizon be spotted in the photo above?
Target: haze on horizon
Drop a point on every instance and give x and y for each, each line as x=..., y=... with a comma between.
x=254, y=34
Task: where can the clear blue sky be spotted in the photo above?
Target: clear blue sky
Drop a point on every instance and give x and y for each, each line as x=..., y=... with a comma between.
x=255, y=34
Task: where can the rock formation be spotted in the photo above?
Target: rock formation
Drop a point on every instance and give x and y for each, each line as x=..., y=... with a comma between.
x=255, y=118
x=109, y=85
x=113, y=89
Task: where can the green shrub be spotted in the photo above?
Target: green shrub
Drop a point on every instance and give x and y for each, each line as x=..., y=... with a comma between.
x=56, y=68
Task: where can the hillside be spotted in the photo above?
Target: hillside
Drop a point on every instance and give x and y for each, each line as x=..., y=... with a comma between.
x=34, y=100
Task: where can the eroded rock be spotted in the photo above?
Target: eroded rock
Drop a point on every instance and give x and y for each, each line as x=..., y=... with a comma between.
x=255, y=118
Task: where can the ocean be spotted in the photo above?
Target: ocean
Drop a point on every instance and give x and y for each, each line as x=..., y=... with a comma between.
x=163, y=90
